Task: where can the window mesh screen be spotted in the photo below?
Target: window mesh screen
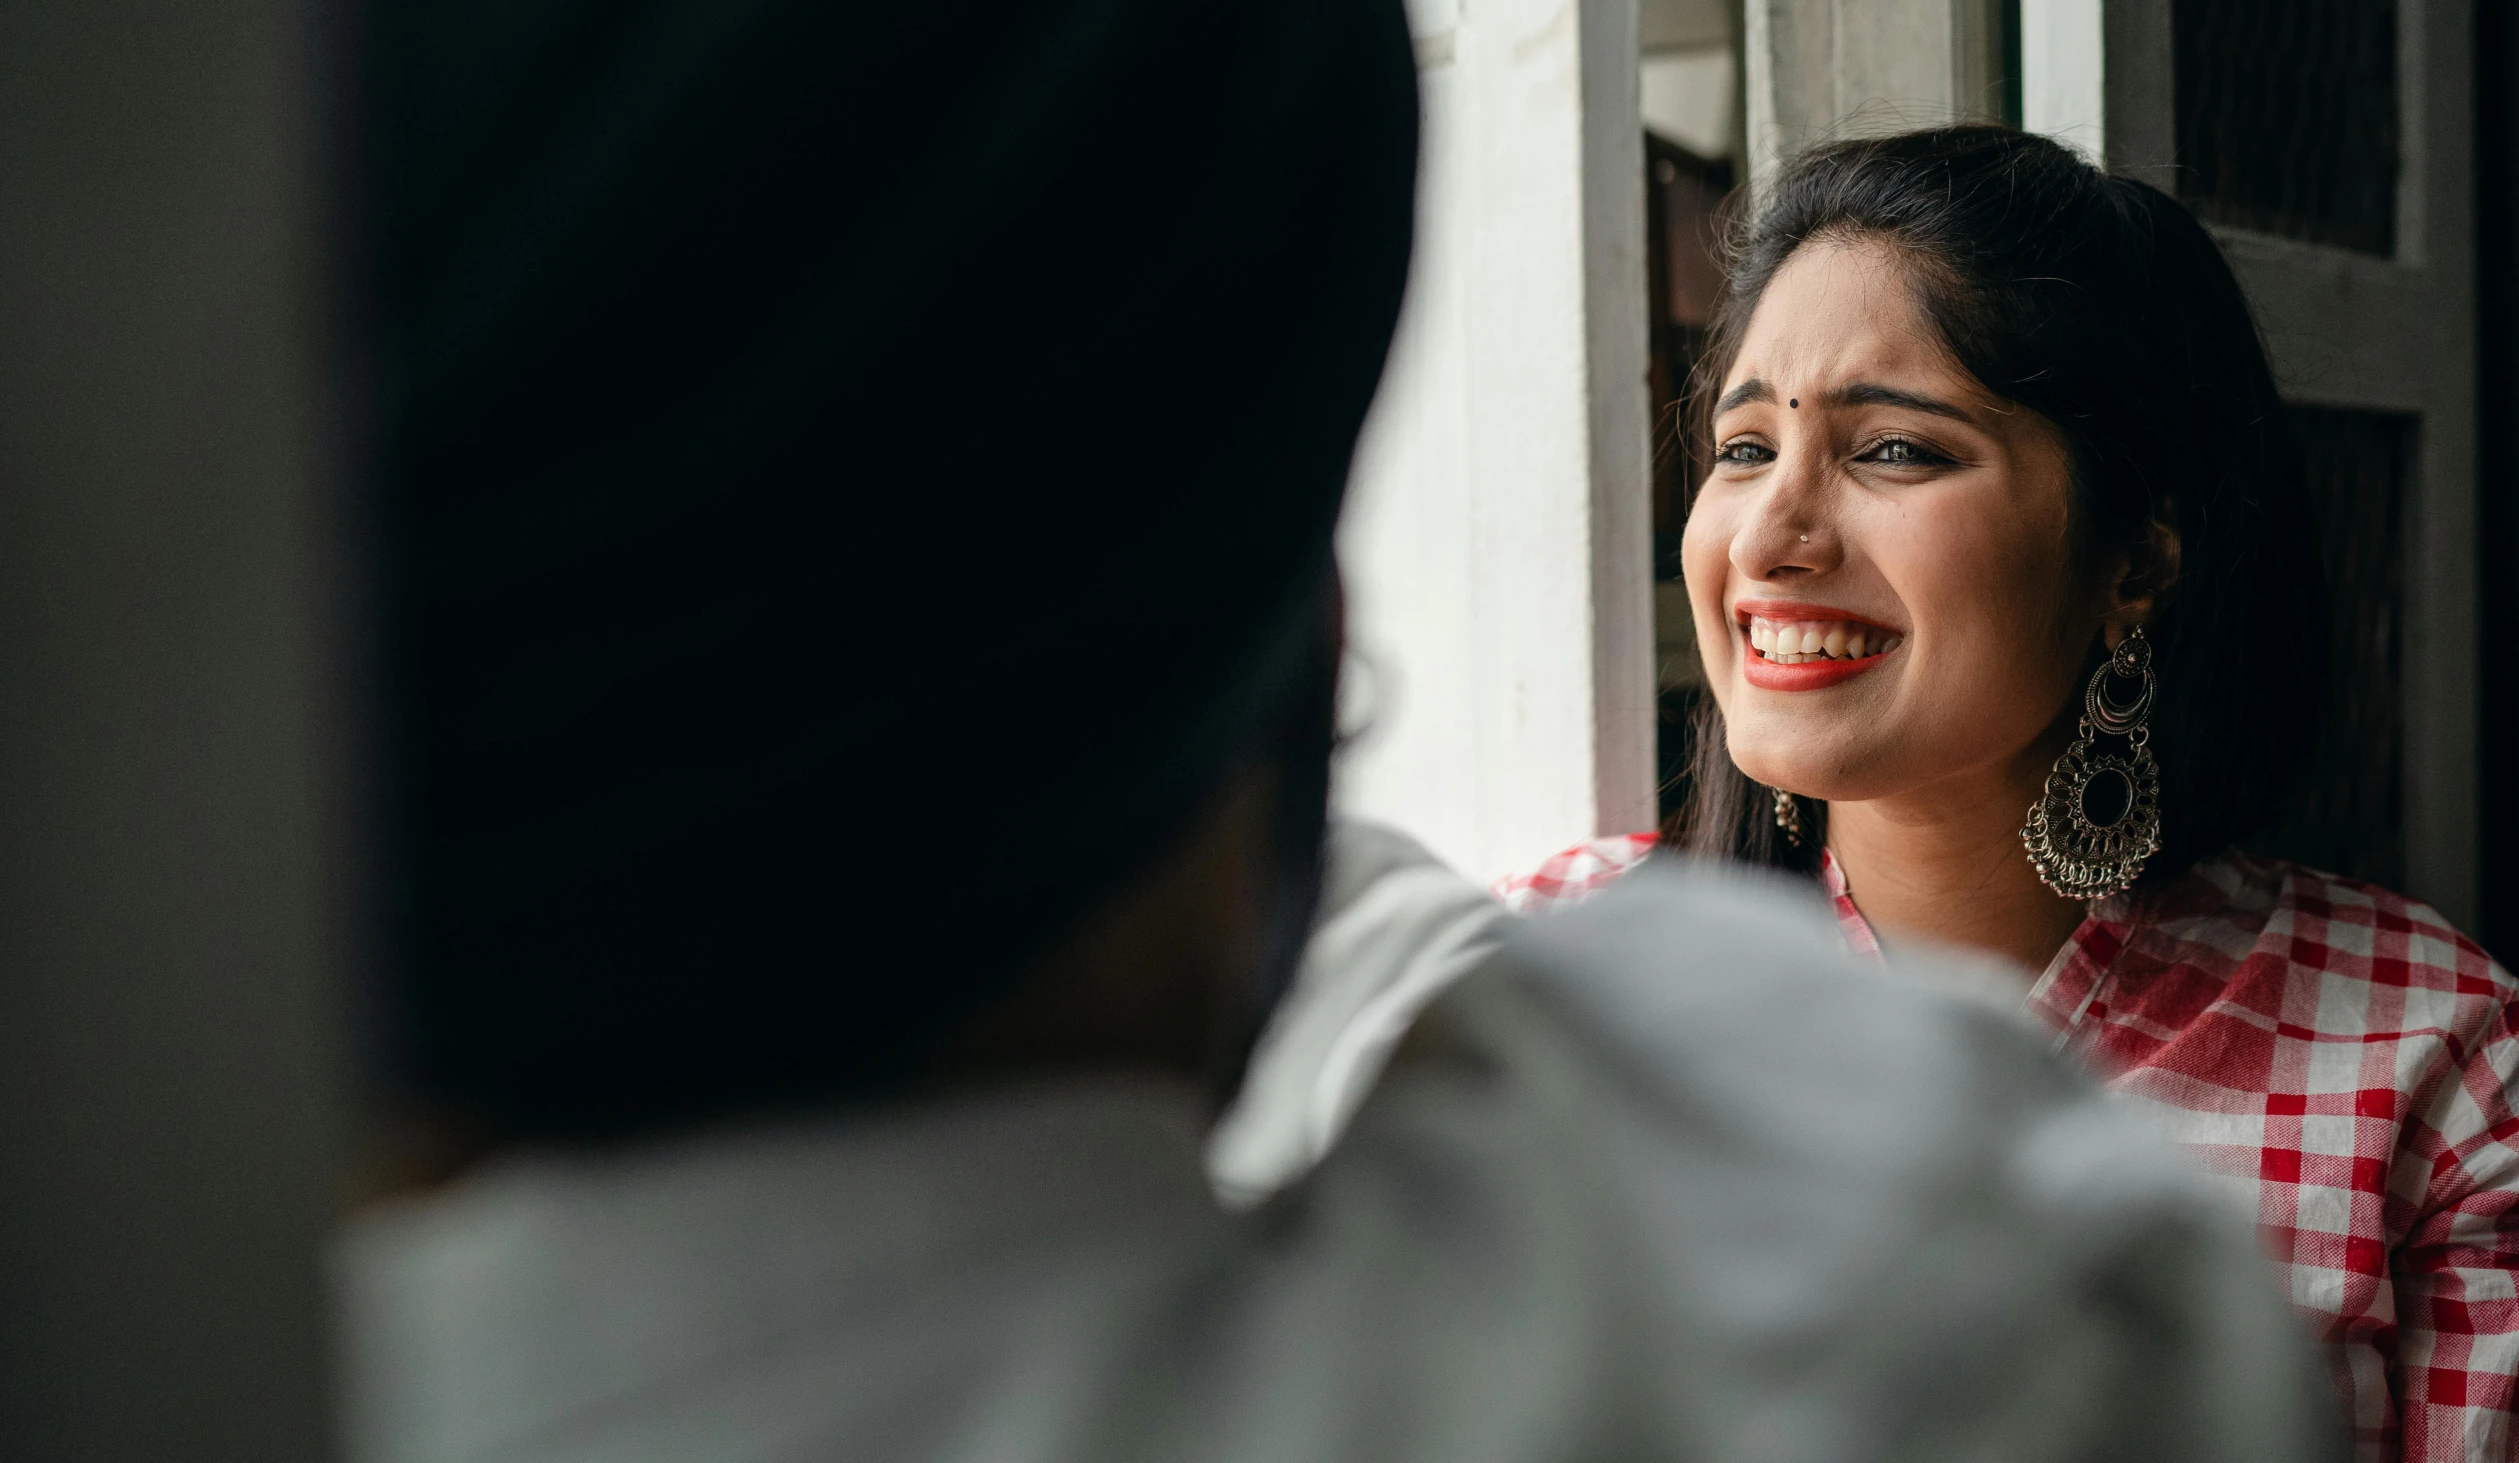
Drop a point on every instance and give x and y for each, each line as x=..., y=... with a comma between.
x=2350, y=818
x=1684, y=198
x=2287, y=117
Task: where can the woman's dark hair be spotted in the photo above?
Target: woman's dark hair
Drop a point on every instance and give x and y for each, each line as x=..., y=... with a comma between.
x=2102, y=305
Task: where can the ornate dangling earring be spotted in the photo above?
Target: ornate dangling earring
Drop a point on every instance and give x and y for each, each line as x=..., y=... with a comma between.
x=1788, y=816
x=2090, y=833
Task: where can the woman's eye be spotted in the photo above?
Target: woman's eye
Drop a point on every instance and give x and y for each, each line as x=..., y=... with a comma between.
x=1900, y=452
x=1743, y=454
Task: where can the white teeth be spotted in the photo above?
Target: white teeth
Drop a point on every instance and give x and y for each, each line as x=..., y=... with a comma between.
x=1795, y=642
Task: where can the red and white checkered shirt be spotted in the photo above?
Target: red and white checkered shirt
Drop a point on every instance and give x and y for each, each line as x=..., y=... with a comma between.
x=2345, y=1054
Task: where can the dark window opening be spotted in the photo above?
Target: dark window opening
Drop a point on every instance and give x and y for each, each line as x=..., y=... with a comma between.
x=2007, y=62
x=1684, y=196
x=2350, y=817
x=2496, y=183
x=2288, y=117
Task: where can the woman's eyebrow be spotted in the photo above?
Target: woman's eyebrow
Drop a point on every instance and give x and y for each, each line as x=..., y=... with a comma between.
x=1870, y=393
x=1748, y=391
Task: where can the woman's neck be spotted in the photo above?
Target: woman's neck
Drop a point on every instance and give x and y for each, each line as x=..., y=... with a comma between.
x=1945, y=864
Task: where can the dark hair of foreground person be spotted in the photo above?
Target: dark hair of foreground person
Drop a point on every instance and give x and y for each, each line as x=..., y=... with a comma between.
x=820, y=571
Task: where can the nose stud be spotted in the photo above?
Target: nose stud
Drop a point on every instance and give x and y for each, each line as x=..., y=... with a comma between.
x=1806, y=538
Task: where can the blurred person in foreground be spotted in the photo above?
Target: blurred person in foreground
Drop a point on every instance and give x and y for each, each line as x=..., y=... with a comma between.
x=812, y=1077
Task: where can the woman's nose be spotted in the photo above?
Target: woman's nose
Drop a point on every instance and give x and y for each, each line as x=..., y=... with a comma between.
x=1787, y=531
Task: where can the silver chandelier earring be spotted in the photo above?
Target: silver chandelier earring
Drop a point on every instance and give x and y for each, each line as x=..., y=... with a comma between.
x=2090, y=833
x=1788, y=816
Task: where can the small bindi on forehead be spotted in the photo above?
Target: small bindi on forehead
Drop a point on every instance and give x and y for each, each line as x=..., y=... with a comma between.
x=1842, y=311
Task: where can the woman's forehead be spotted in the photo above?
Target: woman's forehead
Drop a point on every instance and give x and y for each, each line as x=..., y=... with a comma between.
x=1839, y=311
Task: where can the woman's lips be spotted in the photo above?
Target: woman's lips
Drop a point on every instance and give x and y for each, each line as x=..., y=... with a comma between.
x=1814, y=675
x=1790, y=646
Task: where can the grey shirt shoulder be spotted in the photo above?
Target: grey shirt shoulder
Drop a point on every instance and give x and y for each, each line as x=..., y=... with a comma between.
x=1867, y=1216
x=1666, y=1178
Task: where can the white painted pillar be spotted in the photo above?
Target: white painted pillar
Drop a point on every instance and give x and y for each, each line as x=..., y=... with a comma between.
x=1818, y=70
x=2096, y=76
x=1498, y=541
x=2063, y=73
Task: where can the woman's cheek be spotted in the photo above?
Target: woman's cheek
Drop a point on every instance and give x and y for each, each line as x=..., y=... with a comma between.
x=1985, y=588
x=1704, y=564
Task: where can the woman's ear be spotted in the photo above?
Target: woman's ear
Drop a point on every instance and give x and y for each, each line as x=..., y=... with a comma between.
x=2141, y=578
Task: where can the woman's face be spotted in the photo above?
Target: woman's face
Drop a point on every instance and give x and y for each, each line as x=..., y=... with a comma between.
x=1879, y=562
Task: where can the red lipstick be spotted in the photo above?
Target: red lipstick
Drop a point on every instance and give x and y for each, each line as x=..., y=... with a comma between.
x=1809, y=675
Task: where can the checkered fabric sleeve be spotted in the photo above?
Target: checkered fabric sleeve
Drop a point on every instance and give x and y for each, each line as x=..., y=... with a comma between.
x=1857, y=930
x=2457, y=1316
x=1586, y=869
x=2347, y=1061
x=2345, y=1058
x=1574, y=875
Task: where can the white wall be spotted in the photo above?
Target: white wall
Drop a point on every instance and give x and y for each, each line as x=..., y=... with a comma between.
x=2064, y=68
x=1687, y=97
x=1497, y=544
x=1690, y=70
x=1823, y=69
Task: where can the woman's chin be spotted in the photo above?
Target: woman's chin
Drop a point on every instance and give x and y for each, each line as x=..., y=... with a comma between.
x=1824, y=757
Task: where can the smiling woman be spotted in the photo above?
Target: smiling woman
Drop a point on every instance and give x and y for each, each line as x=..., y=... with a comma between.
x=2003, y=578
x=1878, y=493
